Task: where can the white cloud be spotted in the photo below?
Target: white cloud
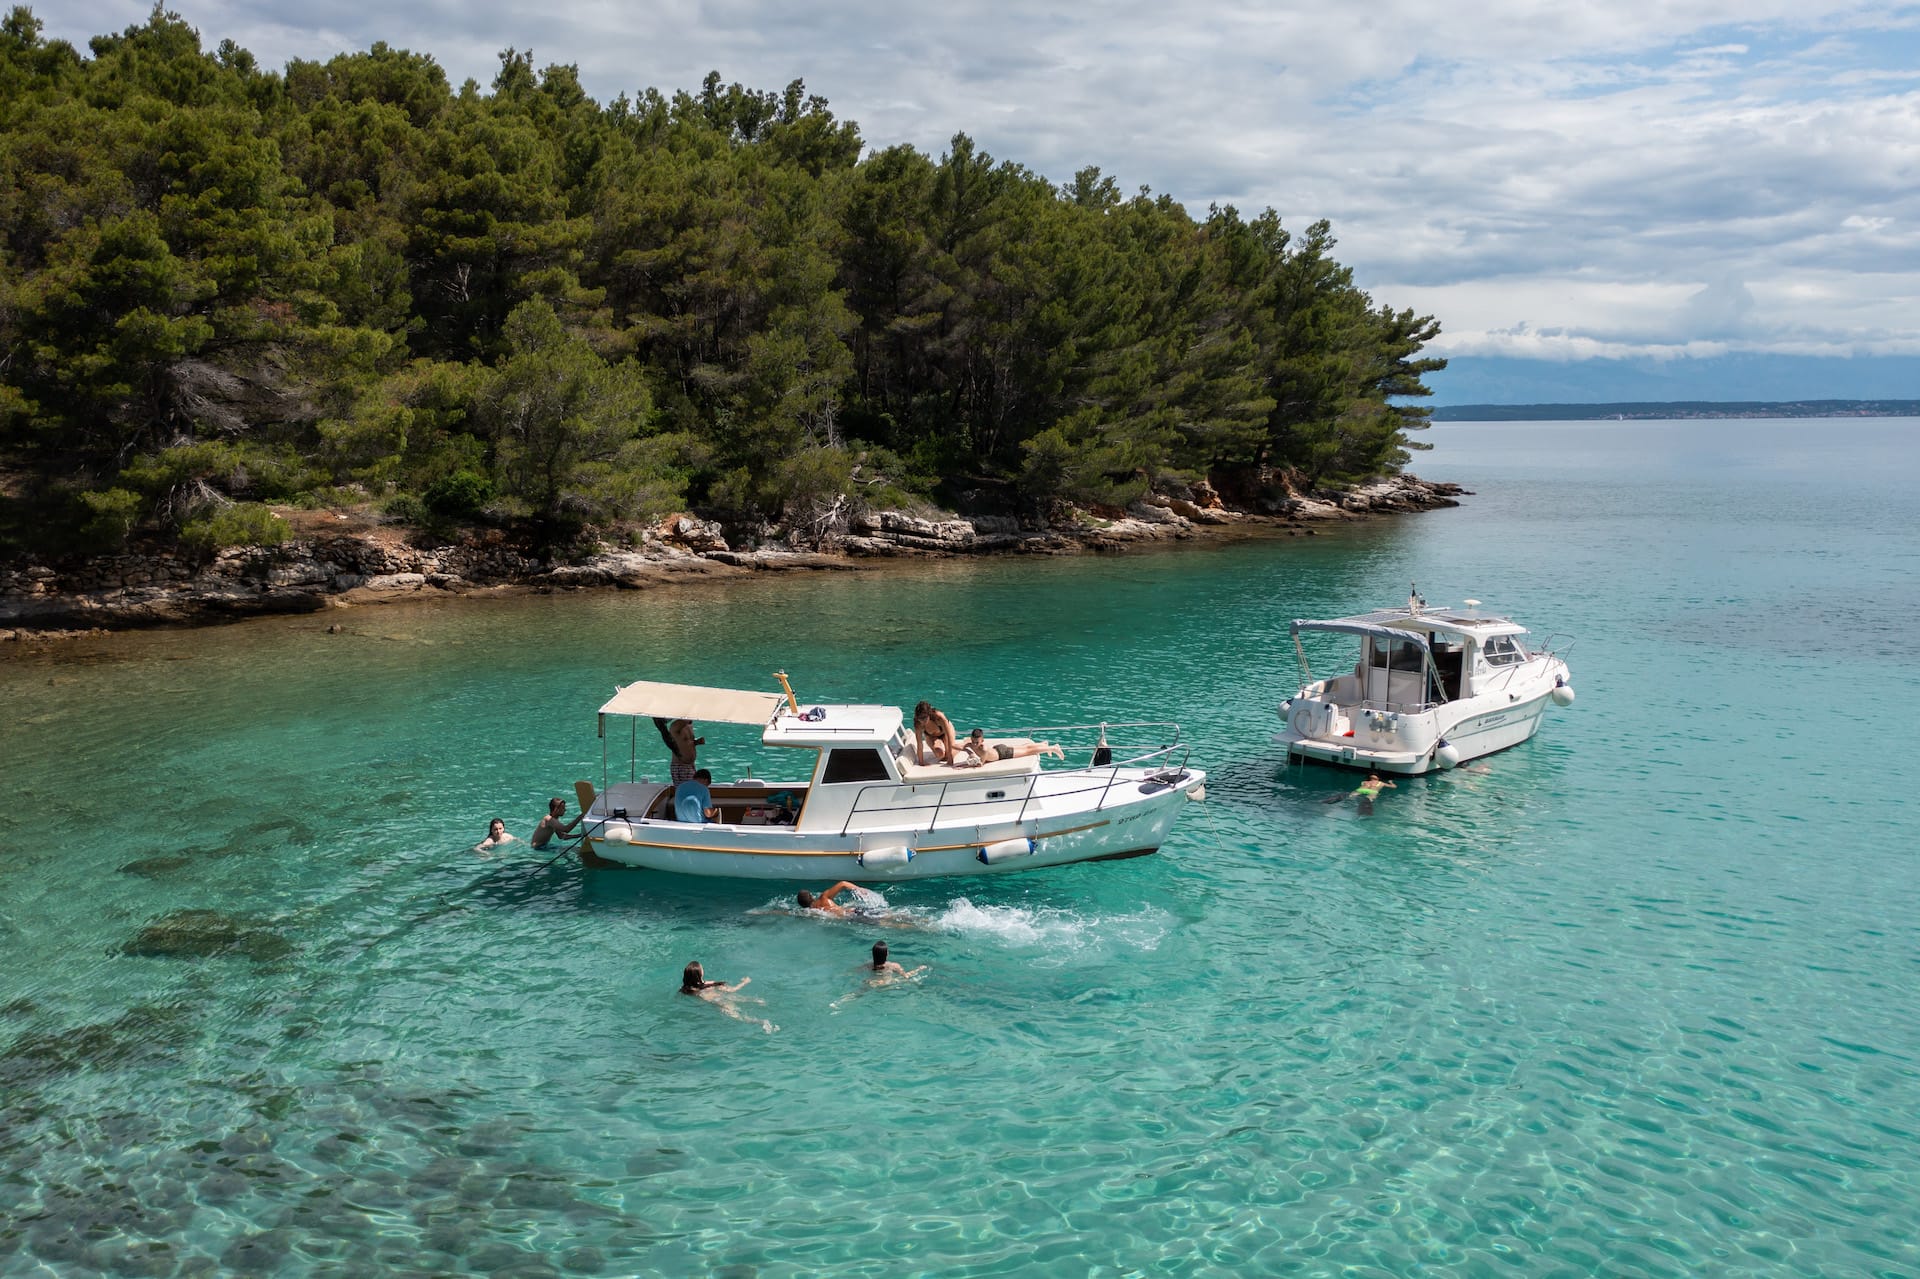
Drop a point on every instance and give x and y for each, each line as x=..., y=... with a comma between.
x=1565, y=180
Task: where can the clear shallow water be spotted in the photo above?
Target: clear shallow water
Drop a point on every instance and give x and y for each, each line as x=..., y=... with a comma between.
x=1636, y=1000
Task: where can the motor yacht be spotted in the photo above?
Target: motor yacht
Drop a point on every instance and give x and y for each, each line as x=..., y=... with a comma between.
x=1431, y=688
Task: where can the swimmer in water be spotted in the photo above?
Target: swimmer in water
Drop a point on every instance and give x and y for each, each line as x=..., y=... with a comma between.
x=694, y=982
x=824, y=903
x=882, y=972
x=867, y=906
x=1366, y=792
x=496, y=836
x=1369, y=790
x=886, y=972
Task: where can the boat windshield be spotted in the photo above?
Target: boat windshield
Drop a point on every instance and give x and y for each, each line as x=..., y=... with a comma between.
x=1505, y=650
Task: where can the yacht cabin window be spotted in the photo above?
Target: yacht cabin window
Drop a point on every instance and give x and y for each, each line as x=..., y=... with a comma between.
x=1505, y=650
x=854, y=765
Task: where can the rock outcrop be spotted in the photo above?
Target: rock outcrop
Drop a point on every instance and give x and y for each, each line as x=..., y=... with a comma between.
x=172, y=586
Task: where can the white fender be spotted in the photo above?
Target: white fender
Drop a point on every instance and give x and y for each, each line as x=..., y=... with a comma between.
x=1446, y=754
x=618, y=833
x=1562, y=693
x=1005, y=849
x=891, y=855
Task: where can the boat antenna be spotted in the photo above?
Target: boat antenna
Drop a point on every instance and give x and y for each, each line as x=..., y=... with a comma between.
x=1414, y=602
x=788, y=689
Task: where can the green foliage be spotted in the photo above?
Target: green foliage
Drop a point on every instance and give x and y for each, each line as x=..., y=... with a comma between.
x=242, y=524
x=220, y=284
x=459, y=496
x=560, y=421
x=406, y=508
x=110, y=517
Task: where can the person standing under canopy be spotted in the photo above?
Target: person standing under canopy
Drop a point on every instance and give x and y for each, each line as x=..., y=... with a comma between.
x=681, y=745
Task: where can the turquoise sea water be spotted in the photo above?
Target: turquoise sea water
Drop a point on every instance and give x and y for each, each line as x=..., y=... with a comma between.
x=1636, y=1000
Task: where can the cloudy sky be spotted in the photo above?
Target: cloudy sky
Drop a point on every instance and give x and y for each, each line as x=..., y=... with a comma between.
x=1664, y=180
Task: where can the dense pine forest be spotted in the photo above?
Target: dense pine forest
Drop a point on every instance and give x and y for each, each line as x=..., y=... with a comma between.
x=350, y=284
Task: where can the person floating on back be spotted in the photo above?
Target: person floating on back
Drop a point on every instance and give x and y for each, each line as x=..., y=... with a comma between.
x=693, y=981
x=1369, y=790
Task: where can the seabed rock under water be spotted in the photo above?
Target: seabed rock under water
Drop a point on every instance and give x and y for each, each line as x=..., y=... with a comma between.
x=155, y=867
x=201, y=934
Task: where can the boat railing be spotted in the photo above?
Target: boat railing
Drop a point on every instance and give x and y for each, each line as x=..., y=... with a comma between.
x=992, y=791
x=1551, y=646
x=1543, y=656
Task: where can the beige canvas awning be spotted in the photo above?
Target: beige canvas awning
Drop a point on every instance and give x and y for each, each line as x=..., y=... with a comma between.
x=690, y=701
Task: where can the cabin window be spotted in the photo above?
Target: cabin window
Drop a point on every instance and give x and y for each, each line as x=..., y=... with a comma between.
x=1402, y=655
x=1505, y=650
x=855, y=766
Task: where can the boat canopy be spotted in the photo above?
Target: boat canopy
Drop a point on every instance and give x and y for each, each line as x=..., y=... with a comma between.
x=691, y=701
x=1390, y=634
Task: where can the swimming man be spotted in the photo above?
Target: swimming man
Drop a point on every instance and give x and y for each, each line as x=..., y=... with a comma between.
x=824, y=903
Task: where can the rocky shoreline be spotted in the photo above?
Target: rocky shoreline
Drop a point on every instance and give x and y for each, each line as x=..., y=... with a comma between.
x=356, y=566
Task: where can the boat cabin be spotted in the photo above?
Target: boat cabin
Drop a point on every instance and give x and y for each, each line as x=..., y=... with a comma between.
x=1412, y=658
x=862, y=762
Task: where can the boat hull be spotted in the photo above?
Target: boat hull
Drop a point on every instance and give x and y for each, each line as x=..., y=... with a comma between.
x=1134, y=819
x=1474, y=728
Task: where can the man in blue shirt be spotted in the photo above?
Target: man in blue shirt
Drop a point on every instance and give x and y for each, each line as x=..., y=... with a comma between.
x=692, y=801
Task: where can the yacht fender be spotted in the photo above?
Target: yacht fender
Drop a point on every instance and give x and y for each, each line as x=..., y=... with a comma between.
x=1005, y=850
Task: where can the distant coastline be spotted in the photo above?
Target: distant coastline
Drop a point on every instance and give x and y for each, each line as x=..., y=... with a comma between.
x=1674, y=409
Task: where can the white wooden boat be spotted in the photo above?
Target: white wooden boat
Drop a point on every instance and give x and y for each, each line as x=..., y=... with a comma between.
x=1431, y=689
x=864, y=811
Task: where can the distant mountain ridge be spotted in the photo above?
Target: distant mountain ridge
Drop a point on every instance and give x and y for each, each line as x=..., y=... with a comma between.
x=1643, y=409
